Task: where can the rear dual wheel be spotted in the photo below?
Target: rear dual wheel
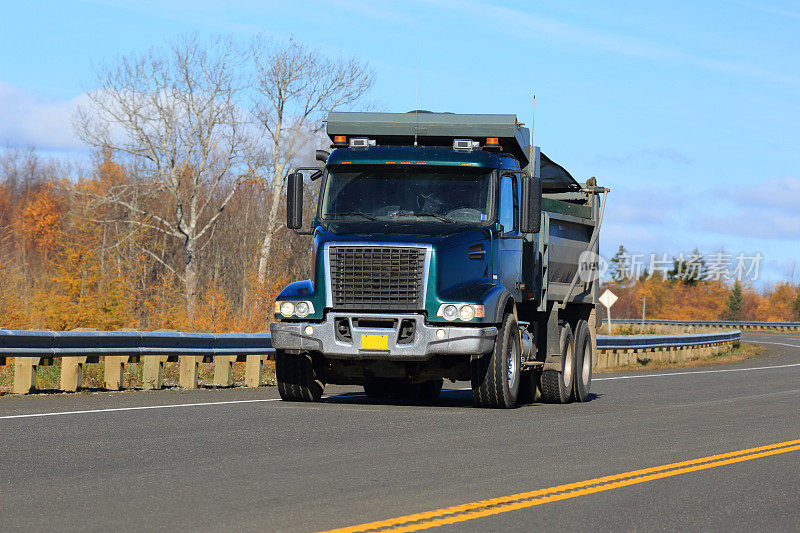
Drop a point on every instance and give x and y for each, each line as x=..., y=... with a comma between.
x=557, y=384
x=574, y=379
x=584, y=360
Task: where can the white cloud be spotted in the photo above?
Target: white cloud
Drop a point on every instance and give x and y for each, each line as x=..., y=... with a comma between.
x=780, y=193
x=28, y=119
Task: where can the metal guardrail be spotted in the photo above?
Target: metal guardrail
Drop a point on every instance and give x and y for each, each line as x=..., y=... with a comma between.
x=15, y=343
x=76, y=348
x=711, y=323
x=644, y=342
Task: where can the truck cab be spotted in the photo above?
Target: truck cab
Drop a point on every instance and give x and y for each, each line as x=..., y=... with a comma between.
x=426, y=262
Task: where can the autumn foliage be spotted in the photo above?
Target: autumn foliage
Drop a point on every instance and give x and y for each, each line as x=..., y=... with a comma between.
x=68, y=260
x=704, y=300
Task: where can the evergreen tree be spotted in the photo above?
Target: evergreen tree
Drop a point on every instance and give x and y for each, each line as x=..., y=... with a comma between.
x=735, y=302
x=619, y=265
x=688, y=270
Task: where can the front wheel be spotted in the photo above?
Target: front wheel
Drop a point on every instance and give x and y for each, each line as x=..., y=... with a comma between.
x=496, y=376
x=297, y=381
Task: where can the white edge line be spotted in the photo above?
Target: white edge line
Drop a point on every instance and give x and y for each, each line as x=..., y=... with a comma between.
x=139, y=408
x=695, y=372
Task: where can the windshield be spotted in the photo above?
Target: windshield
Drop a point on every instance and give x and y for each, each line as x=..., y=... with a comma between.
x=435, y=194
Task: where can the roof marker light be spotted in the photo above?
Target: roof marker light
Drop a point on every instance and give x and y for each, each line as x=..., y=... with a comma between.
x=492, y=143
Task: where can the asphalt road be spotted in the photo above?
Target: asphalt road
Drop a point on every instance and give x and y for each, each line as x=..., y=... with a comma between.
x=149, y=460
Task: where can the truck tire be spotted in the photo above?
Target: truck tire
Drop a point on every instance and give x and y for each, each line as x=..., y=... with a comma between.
x=557, y=384
x=496, y=376
x=431, y=389
x=584, y=360
x=296, y=379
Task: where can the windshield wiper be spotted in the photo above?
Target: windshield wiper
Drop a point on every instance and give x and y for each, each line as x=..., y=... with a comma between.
x=423, y=214
x=352, y=214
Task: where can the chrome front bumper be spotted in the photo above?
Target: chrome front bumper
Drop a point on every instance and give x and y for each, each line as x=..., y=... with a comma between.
x=427, y=340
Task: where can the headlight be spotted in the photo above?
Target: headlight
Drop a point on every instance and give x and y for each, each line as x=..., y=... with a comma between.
x=463, y=311
x=287, y=308
x=301, y=309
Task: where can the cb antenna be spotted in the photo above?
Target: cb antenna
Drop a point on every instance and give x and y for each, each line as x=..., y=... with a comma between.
x=416, y=107
x=530, y=156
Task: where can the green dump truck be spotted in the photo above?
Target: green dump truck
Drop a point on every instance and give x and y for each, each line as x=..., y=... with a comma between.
x=446, y=246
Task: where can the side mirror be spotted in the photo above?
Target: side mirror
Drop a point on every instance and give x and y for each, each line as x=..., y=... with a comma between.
x=531, y=205
x=322, y=155
x=294, y=201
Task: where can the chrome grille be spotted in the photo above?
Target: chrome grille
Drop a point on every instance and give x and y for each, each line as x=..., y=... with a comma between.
x=377, y=277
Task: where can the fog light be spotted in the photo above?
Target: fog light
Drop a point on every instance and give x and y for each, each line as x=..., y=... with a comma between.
x=309, y=330
x=467, y=312
x=440, y=334
x=450, y=312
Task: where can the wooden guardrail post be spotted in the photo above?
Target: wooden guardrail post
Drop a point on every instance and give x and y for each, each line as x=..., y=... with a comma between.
x=114, y=366
x=223, y=370
x=72, y=373
x=253, y=370
x=153, y=371
x=153, y=368
x=189, y=367
x=25, y=374
x=72, y=369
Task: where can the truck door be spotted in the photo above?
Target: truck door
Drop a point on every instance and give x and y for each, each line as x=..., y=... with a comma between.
x=509, y=243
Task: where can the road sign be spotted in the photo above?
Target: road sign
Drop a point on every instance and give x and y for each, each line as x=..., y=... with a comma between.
x=608, y=298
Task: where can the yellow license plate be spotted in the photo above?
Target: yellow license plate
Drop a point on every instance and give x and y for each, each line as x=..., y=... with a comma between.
x=374, y=342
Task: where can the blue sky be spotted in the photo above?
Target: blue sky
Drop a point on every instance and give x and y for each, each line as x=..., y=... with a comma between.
x=689, y=111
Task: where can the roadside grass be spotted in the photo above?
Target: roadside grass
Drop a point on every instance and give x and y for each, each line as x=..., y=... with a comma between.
x=48, y=377
x=739, y=353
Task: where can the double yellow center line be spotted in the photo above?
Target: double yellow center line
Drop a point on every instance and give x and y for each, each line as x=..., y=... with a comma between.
x=504, y=504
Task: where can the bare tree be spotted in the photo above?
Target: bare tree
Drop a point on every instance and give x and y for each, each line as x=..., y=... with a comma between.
x=173, y=114
x=295, y=87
